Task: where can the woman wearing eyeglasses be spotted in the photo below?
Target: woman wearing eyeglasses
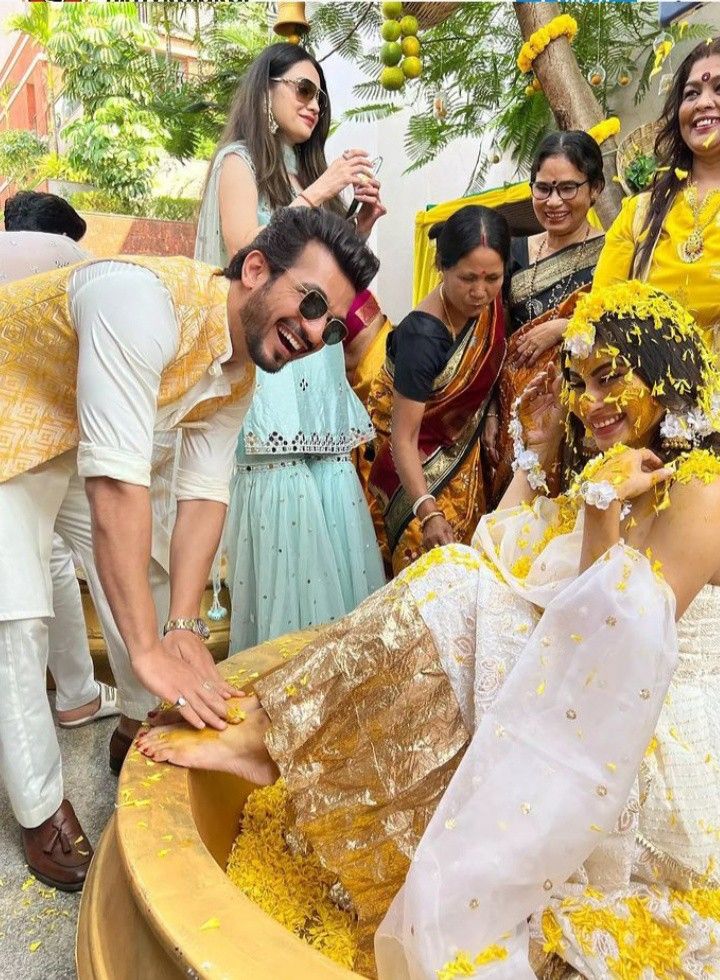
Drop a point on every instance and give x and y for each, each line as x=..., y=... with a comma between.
x=670, y=236
x=300, y=542
x=428, y=403
x=545, y=272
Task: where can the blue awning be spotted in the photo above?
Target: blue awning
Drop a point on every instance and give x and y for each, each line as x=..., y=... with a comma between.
x=673, y=9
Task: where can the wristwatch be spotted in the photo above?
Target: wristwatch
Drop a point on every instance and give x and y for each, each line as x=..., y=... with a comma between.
x=197, y=626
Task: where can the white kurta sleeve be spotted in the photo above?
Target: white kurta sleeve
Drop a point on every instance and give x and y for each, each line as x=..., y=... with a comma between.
x=207, y=455
x=127, y=334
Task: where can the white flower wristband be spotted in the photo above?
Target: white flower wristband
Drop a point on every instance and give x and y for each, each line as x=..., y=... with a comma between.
x=601, y=495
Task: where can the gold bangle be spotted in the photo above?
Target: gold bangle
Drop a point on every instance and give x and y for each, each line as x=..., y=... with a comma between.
x=429, y=517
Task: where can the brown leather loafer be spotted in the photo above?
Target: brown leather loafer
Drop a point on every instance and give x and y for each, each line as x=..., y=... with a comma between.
x=119, y=748
x=58, y=852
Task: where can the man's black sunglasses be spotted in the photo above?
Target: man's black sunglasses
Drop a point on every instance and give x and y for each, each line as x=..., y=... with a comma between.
x=314, y=306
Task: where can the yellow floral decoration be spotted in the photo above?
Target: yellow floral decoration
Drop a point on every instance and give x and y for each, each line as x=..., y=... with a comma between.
x=564, y=25
x=605, y=129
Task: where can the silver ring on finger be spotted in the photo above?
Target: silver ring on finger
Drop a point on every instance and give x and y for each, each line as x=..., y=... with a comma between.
x=208, y=686
x=180, y=703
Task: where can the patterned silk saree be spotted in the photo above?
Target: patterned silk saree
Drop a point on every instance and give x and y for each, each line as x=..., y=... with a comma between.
x=449, y=442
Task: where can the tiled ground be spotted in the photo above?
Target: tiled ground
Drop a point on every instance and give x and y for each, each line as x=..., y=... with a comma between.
x=37, y=925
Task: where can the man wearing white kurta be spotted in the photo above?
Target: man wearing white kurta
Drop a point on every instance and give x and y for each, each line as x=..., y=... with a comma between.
x=93, y=360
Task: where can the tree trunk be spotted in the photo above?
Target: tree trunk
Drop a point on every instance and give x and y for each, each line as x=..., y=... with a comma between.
x=570, y=96
x=51, y=98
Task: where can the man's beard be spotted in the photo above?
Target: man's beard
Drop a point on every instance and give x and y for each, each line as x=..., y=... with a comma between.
x=255, y=317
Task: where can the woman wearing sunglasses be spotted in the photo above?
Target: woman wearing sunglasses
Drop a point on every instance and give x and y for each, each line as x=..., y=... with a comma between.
x=545, y=271
x=429, y=401
x=300, y=542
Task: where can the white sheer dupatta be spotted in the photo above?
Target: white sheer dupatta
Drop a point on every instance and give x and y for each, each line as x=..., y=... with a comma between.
x=583, y=665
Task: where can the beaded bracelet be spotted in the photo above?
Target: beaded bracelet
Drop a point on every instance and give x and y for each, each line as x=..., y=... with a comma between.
x=429, y=517
x=421, y=500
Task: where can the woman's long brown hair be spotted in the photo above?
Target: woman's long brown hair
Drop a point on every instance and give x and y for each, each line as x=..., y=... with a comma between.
x=672, y=152
x=248, y=121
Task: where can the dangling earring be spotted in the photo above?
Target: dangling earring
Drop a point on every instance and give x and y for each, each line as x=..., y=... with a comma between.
x=272, y=121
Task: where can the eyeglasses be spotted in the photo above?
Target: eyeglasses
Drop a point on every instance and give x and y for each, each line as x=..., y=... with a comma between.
x=566, y=189
x=314, y=306
x=306, y=90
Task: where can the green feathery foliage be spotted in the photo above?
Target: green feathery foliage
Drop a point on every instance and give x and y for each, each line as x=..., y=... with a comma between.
x=469, y=63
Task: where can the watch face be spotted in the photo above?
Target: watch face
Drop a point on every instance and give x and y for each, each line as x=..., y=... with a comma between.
x=202, y=629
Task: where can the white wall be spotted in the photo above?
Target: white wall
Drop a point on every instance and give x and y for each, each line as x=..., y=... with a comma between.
x=446, y=177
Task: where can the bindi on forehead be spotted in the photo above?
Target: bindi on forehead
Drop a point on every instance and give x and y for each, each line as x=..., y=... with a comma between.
x=705, y=71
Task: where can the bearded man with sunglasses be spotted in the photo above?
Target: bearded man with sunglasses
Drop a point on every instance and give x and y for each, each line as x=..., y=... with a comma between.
x=94, y=359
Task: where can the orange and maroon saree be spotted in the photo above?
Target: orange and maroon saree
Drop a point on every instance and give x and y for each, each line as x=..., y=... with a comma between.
x=449, y=442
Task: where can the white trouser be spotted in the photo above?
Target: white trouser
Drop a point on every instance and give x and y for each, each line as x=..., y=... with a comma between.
x=69, y=656
x=31, y=506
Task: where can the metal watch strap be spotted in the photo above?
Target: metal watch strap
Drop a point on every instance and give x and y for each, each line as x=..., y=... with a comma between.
x=197, y=626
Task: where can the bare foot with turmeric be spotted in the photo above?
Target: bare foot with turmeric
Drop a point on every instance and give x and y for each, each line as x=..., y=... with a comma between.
x=238, y=749
x=235, y=707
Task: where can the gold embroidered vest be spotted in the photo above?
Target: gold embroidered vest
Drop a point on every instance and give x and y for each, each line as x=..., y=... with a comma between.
x=39, y=356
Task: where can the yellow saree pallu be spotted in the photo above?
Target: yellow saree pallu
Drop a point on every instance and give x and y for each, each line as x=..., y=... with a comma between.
x=449, y=443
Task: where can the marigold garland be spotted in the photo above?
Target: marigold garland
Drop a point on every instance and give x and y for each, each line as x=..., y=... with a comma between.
x=699, y=464
x=539, y=39
x=605, y=129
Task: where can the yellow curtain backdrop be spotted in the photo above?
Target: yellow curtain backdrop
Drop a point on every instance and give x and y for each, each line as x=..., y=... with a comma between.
x=425, y=275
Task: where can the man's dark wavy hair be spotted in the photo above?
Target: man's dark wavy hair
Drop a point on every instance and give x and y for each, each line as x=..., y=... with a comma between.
x=291, y=229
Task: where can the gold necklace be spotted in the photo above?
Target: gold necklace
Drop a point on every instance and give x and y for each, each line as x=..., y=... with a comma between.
x=448, y=320
x=534, y=306
x=693, y=247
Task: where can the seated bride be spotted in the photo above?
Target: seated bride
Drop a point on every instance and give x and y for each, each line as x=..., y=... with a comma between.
x=509, y=757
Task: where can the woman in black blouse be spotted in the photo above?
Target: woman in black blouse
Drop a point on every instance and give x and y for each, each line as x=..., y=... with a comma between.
x=429, y=402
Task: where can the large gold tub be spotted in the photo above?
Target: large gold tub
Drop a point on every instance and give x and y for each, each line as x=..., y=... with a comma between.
x=157, y=903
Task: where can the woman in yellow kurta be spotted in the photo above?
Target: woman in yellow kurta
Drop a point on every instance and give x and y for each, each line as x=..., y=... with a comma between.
x=670, y=236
